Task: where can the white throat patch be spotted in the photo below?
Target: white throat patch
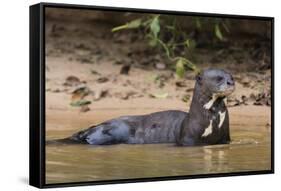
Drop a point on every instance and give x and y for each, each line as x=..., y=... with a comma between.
x=210, y=103
x=222, y=117
x=208, y=130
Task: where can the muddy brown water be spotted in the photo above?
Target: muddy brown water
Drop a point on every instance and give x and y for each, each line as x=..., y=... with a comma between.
x=248, y=151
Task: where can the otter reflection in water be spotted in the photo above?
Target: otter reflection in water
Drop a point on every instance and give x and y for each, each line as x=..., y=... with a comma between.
x=206, y=123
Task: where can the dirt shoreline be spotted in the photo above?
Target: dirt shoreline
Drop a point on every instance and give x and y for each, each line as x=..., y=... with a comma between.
x=95, y=60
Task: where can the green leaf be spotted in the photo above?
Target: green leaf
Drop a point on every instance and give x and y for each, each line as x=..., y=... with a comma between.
x=182, y=64
x=130, y=25
x=187, y=43
x=180, y=70
x=170, y=27
x=165, y=47
x=218, y=32
x=190, y=65
x=152, y=42
x=185, y=98
x=225, y=27
x=198, y=23
x=192, y=44
x=134, y=24
x=155, y=26
x=80, y=103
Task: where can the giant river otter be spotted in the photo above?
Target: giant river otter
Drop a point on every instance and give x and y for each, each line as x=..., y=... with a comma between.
x=206, y=123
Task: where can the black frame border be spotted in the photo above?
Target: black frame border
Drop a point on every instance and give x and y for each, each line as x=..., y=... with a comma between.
x=37, y=169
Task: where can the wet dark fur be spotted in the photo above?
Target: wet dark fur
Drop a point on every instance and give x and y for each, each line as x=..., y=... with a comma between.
x=194, y=126
x=170, y=126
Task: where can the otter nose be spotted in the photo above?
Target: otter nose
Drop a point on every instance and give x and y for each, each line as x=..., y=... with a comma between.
x=230, y=82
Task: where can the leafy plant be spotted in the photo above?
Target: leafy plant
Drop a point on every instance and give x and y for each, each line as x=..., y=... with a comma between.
x=218, y=24
x=218, y=32
x=130, y=25
x=182, y=64
x=166, y=33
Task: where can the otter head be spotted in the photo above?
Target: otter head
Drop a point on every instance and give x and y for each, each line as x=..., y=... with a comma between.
x=216, y=82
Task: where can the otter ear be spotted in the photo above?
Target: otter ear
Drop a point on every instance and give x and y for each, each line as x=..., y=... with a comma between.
x=199, y=79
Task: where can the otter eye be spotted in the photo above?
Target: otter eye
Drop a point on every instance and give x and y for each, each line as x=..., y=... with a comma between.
x=219, y=78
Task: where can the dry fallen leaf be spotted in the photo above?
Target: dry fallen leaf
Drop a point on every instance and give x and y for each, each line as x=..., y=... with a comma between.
x=185, y=98
x=125, y=69
x=98, y=94
x=263, y=98
x=80, y=103
x=180, y=84
x=84, y=108
x=94, y=72
x=159, y=95
x=102, y=79
x=126, y=95
x=72, y=81
x=189, y=90
x=79, y=93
